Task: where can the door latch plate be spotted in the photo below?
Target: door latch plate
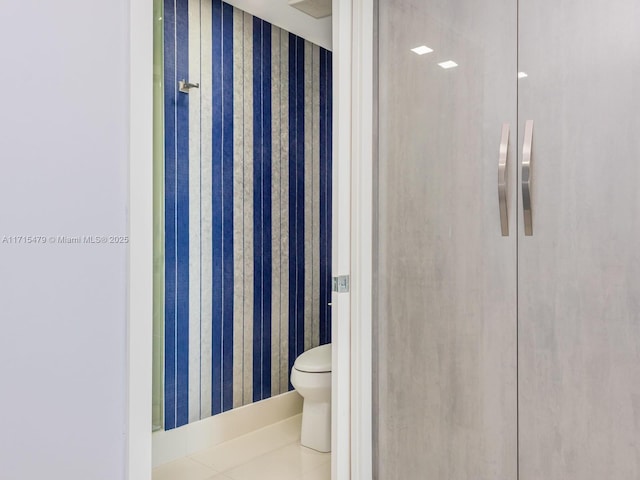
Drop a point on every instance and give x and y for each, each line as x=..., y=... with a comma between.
x=341, y=284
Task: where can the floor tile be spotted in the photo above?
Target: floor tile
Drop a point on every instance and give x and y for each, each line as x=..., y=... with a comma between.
x=323, y=472
x=287, y=463
x=183, y=469
x=243, y=449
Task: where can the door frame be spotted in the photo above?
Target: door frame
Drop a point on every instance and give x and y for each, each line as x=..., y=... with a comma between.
x=353, y=153
x=352, y=239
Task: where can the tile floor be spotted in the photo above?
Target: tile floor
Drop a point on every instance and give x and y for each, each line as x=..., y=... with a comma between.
x=271, y=453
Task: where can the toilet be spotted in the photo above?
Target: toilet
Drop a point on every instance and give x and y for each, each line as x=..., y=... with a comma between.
x=311, y=377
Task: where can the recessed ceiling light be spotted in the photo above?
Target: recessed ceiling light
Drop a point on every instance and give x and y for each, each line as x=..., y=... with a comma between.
x=522, y=75
x=422, y=49
x=448, y=64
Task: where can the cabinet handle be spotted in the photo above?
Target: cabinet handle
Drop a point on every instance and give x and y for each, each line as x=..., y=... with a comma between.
x=526, y=177
x=502, y=180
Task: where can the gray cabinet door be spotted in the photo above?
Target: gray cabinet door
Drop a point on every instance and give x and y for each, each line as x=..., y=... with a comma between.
x=445, y=357
x=579, y=274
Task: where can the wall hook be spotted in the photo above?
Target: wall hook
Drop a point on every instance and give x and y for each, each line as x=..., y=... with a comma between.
x=185, y=86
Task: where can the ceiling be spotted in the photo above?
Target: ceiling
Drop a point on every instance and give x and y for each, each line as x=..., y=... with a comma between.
x=281, y=14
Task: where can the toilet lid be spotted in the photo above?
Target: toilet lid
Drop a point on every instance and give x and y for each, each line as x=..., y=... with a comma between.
x=316, y=360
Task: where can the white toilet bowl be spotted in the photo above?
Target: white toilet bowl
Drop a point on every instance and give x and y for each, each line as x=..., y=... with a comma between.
x=311, y=377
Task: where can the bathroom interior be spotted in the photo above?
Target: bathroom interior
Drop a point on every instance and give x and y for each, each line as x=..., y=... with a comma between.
x=242, y=252
x=506, y=292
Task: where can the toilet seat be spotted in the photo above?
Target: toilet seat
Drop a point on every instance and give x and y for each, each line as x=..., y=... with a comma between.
x=316, y=360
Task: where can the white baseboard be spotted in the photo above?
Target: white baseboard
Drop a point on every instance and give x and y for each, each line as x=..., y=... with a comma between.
x=179, y=442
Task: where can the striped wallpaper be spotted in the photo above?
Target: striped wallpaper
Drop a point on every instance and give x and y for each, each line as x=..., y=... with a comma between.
x=247, y=207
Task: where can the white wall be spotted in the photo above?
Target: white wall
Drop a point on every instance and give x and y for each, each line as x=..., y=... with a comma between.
x=63, y=171
x=279, y=13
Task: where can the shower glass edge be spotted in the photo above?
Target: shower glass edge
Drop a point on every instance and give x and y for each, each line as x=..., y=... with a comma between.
x=158, y=218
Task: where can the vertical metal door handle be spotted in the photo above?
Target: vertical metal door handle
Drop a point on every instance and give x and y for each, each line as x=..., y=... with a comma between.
x=502, y=180
x=526, y=177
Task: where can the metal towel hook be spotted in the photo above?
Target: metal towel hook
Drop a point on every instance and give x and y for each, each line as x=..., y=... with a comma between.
x=185, y=86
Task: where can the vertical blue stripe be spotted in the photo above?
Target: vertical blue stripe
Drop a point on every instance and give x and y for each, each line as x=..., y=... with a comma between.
x=296, y=198
x=262, y=209
x=292, y=204
x=266, y=210
x=324, y=294
x=293, y=230
x=217, y=252
x=257, y=208
x=325, y=196
x=169, y=219
x=300, y=194
x=227, y=211
x=329, y=180
x=182, y=217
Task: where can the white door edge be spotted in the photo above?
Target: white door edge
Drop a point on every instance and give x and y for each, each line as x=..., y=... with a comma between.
x=352, y=237
x=362, y=240
x=140, y=282
x=341, y=248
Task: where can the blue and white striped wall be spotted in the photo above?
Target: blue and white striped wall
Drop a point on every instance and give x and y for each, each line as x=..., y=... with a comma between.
x=247, y=207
